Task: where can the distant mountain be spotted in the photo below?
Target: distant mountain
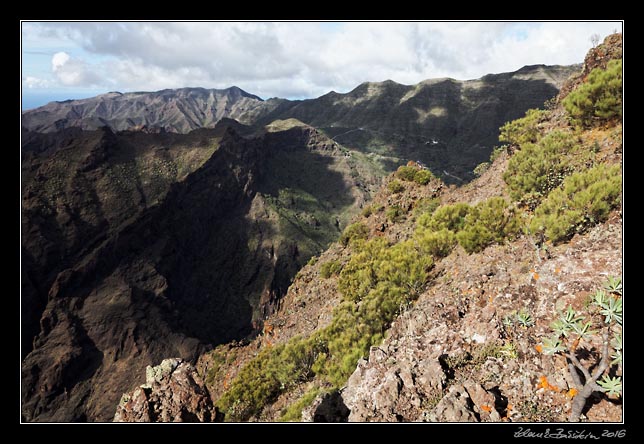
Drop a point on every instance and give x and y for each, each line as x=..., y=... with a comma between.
x=172, y=110
x=451, y=125
x=448, y=124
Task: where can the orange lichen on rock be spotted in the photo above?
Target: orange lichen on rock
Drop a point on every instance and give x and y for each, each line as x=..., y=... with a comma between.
x=543, y=383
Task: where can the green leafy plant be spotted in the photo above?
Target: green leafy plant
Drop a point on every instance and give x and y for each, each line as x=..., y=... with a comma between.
x=481, y=168
x=412, y=173
x=524, y=319
x=599, y=98
x=489, y=222
x=573, y=331
x=611, y=385
x=367, y=211
x=497, y=151
x=406, y=172
x=293, y=413
x=449, y=217
x=613, y=285
x=437, y=243
x=509, y=350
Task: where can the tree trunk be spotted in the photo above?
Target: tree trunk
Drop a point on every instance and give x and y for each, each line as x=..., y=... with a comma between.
x=579, y=402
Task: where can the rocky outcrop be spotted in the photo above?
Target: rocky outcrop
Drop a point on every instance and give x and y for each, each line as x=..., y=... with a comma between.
x=451, y=358
x=598, y=57
x=173, y=392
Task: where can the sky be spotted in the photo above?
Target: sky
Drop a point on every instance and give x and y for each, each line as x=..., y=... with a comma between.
x=294, y=60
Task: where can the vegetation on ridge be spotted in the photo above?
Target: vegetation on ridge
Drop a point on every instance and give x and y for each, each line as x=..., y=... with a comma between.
x=558, y=185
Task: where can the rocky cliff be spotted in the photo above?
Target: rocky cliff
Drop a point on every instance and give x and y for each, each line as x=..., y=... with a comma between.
x=163, y=247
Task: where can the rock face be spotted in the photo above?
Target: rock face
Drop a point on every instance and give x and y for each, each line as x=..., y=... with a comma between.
x=173, y=392
x=451, y=358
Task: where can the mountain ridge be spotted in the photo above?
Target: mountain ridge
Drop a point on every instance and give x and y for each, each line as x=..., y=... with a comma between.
x=451, y=124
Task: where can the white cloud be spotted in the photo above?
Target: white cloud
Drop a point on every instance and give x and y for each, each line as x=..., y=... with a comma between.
x=35, y=82
x=58, y=60
x=73, y=71
x=302, y=59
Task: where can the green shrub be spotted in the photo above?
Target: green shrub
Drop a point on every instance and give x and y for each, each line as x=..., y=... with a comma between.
x=449, y=217
x=423, y=176
x=395, y=186
x=481, y=168
x=377, y=283
x=406, y=172
x=273, y=371
x=585, y=199
x=600, y=97
x=293, y=413
x=354, y=232
x=330, y=268
x=497, y=151
x=410, y=173
x=437, y=243
x=426, y=206
x=524, y=130
x=312, y=261
x=539, y=168
x=358, y=276
x=402, y=265
x=491, y=221
x=367, y=211
x=394, y=213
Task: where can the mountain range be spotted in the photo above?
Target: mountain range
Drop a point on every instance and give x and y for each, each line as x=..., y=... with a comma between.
x=450, y=124
x=174, y=223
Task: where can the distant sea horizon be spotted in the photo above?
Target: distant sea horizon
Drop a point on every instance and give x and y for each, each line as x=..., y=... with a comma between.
x=31, y=99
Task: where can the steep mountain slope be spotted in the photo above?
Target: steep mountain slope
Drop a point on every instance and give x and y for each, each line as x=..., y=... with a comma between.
x=80, y=187
x=191, y=240
x=174, y=110
x=447, y=123
x=438, y=303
